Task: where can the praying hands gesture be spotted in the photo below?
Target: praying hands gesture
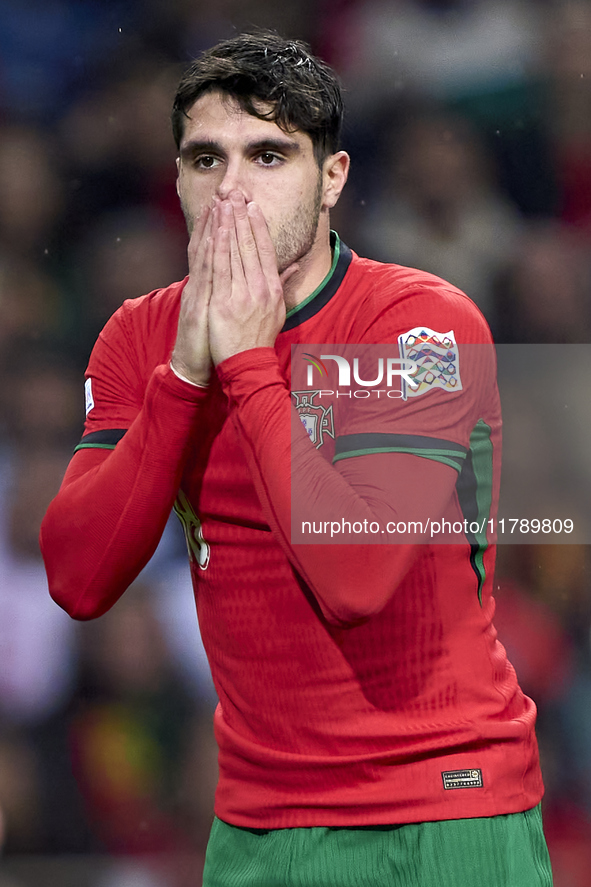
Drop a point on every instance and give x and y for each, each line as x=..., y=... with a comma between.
x=233, y=300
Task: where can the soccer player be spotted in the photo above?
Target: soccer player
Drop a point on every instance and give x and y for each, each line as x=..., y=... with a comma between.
x=371, y=730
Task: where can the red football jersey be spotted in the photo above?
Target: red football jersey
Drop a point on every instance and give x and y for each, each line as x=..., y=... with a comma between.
x=359, y=684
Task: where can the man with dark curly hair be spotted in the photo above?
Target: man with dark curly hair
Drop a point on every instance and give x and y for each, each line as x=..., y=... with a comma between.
x=371, y=730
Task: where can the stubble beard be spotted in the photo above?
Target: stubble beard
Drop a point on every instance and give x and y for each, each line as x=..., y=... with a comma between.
x=189, y=219
x=295, y=236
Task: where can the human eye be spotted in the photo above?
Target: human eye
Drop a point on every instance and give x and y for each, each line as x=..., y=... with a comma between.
x=206, y=161
x=268, y=158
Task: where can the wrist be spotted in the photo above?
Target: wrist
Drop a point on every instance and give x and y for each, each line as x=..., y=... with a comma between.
x=220, y=354
x=256, y=363
x=185, y=378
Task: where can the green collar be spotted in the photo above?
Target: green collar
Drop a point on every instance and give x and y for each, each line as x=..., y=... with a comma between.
x=312, y=304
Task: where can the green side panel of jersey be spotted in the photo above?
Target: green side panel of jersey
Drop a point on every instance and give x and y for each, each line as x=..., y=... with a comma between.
x=474, y=488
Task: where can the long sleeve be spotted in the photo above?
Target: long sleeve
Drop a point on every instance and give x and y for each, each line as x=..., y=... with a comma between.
x=110, y=512
x=350, y=581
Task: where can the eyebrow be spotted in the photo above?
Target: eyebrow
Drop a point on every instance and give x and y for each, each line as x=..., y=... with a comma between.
x=208, y=146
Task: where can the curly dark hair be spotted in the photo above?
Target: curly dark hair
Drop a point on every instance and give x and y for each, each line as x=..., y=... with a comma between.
x=272, y=79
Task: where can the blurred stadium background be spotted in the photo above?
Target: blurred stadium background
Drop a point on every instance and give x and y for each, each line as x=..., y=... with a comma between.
x=469, y=126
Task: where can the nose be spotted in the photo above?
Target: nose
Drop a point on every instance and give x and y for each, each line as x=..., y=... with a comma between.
x=234, y=179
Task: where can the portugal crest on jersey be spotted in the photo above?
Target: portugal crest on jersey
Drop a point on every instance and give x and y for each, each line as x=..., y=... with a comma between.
x=317, y=420
x=437, y=358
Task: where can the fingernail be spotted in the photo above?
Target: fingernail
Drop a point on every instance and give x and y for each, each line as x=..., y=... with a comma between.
x=252, y=208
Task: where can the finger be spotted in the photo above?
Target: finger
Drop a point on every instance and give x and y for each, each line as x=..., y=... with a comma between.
x=201, y=222
x=196, y=294
x=198, y=243
x=199, y=227
x=226, y=225
x=215, y=218
x=246, y=241
x=210, y=237
x=265, y=248
x=236, y=265
x=209, y=264
x=207, y=249
x=226, y=214
x=221, y=269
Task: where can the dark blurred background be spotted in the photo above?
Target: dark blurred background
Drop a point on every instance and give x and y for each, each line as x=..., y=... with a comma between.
x=469, y=127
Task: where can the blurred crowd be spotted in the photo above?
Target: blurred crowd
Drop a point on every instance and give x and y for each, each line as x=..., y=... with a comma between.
x=469, y=127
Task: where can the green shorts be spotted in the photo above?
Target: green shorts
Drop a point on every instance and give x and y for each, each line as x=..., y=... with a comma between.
x=496, y=851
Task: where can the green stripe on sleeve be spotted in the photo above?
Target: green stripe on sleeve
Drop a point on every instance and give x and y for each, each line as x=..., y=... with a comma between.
x=94, y=446
x=101, y=440
x=446, y=458
x=444, y=451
